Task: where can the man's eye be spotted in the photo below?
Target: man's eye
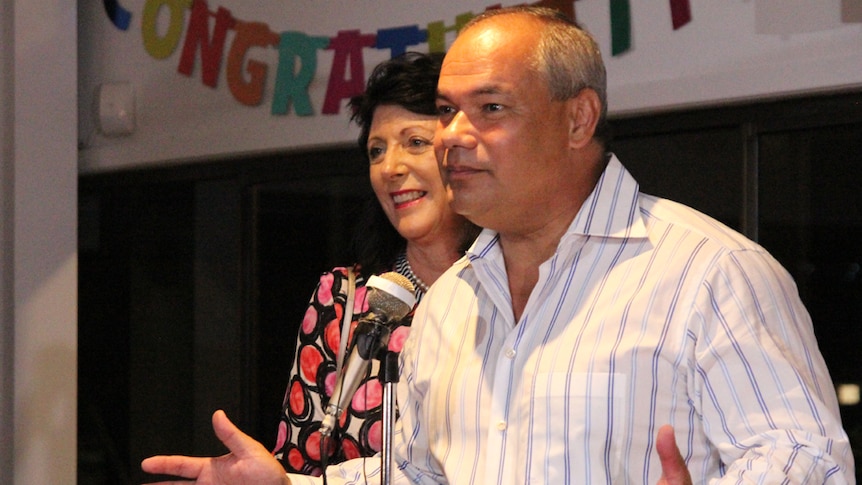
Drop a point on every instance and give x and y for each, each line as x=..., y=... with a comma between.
x=493, y=107
x=445, y=110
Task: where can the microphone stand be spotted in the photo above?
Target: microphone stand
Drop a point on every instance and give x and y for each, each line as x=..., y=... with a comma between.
x=389, y=377
x=370, y=338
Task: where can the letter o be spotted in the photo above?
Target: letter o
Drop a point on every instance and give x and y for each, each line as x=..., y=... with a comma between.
x=162, y=47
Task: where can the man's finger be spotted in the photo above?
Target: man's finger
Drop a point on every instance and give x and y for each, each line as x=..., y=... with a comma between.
x=672, y=464
x=180, y=466
x=239, y=443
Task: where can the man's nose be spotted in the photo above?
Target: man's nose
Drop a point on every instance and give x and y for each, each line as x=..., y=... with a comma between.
x=457, y=132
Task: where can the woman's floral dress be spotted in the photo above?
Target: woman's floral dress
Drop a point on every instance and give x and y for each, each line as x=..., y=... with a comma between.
x=313, y=378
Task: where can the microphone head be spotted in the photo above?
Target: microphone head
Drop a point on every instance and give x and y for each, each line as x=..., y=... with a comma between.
x=390, y=295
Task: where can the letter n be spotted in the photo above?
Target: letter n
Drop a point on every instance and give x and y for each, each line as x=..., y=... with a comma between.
x=211, y=50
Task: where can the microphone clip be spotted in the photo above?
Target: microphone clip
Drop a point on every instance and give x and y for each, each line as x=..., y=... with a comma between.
x=371, y=336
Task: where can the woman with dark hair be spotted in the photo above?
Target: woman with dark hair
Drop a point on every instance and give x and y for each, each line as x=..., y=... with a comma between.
x=408, y=228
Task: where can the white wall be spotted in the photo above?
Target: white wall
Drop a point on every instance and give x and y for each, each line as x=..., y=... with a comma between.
x=7, y=360
x=731, y=50
x=38, y=266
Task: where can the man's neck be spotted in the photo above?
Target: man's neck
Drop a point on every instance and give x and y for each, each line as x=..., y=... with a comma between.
x=525, y=248
x=523, y=254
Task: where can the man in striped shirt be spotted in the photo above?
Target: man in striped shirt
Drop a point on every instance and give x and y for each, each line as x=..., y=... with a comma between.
x=587, y=316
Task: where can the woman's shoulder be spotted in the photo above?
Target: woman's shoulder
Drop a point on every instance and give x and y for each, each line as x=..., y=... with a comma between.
x=340, y=274
x=339, y=271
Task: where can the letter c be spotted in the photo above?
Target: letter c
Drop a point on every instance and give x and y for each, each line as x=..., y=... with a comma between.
x=120, y=17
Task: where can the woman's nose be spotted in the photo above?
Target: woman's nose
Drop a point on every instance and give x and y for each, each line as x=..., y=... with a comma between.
x=393, y=163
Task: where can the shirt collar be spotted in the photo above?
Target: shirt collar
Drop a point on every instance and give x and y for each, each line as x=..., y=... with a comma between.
x=612, y=210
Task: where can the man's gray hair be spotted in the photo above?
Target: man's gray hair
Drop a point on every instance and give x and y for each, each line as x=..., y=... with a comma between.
x=567, y=56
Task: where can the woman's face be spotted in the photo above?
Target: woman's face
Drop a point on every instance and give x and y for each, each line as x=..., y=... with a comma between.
x=404, y=174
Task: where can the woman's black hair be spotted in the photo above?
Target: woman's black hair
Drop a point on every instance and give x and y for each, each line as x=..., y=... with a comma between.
x=408, y=81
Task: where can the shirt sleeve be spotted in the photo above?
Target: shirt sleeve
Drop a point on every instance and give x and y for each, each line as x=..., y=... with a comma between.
x=358, y=471
x=760, y=383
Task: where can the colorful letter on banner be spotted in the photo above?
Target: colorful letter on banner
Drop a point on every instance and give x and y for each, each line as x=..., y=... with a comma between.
x=621, y=27
x=248, y=35
x=399, y=38
x=290, y=84
x=851, y=11
x=437, y=32
x=680, y=13
x=198, y=34
x=348, y=46
x=162, y=47
x=565, y=6
x=120, y=17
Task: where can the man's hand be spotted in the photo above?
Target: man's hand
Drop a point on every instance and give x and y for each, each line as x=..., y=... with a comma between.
x=673, y=470
x=247, y=463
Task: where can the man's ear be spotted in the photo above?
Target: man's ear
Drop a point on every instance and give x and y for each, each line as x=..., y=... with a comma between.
x=584, y=112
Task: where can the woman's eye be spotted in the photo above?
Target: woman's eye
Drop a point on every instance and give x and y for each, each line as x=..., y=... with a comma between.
x=419, y=142
x=374, y=153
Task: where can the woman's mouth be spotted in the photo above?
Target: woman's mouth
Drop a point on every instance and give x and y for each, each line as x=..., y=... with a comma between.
x=403, y=198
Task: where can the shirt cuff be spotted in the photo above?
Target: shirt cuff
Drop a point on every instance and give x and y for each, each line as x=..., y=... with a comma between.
x=296, y=479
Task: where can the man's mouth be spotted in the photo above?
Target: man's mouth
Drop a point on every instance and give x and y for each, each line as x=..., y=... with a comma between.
x=456, y=171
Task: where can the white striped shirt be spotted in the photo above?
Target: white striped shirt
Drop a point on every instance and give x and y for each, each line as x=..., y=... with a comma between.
x=649, y=313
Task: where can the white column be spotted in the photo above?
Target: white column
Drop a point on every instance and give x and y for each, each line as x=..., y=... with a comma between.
x=38, y=246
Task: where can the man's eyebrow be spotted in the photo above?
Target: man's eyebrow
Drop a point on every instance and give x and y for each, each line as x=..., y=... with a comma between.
x=489, y=89
x=483, y=90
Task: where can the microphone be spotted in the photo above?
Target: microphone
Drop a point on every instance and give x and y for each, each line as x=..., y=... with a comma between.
x=390, y=298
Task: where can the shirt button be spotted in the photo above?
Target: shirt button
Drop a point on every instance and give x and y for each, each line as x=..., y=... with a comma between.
x=501, y=425
x=510, y=353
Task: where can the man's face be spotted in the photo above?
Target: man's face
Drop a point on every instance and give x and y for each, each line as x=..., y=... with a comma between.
x=501, y=141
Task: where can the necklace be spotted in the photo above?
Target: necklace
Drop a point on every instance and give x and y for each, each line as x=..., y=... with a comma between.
x=419, y=282
x=403, y=267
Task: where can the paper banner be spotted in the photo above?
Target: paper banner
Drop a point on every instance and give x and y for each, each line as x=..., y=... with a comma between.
x=212, y=49
x=851, y=11
x=796, y=16
x=162, y=45
x=565, y=6
x=621, y=27
x=398, y=39
x=291, y=84
x=348, y=46
x=204, y=35
x=680, y=13
x=120, y=17
x=248, y=35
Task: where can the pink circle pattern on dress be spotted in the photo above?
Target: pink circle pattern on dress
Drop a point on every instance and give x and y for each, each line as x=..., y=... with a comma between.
x=312, y=380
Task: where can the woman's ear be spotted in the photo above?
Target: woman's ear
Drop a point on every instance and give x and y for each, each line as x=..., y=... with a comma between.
x=584, y=112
